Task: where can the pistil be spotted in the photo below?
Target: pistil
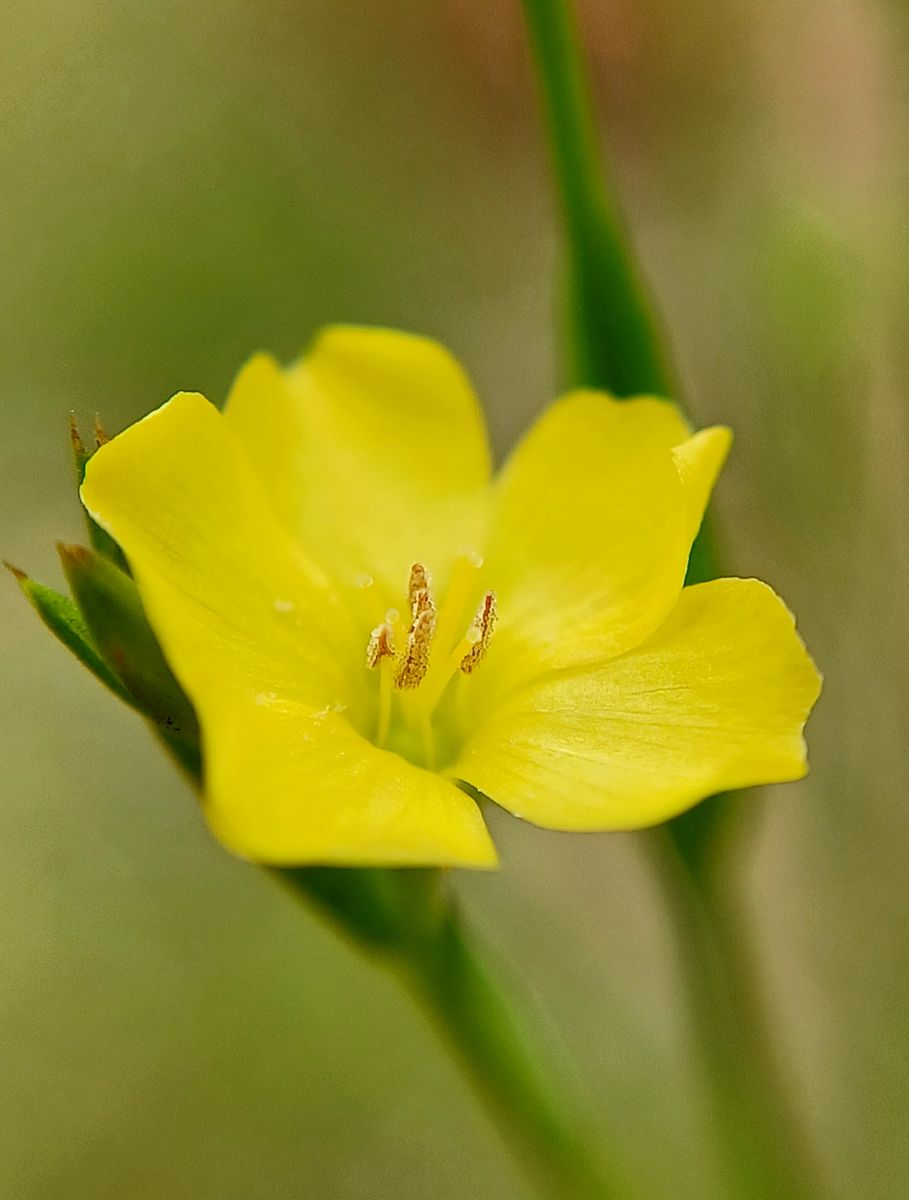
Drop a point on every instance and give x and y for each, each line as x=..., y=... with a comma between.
x=381, y=653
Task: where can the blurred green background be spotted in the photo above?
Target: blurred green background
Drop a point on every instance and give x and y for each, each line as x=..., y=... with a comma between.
x=186, y=182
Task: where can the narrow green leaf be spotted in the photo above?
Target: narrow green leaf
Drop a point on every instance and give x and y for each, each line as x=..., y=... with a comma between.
x=63, y=619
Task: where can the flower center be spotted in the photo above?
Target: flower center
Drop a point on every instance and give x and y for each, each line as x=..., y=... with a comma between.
x=418, y=658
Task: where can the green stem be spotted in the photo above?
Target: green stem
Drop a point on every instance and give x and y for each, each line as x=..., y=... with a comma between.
x=613, y=337
x=615, y=344
x=409, y=919
x=751, y=1108
x=478, y=1020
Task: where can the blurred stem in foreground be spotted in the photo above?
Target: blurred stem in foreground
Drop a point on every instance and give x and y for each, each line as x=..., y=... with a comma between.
x=409, y=920
x=763, y=1154
x=614, y=343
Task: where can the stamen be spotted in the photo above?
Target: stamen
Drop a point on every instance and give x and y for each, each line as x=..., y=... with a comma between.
x=418, y=583
x=424, y=724
x=383, y=723
x=480, y=633
x=419, y=639
x=408, y=670
x=422, y=627
x=381, y=653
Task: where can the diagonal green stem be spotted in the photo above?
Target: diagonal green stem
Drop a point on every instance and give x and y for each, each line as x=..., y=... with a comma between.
x=410, y=921
x=613, y=339
x=477, y=1018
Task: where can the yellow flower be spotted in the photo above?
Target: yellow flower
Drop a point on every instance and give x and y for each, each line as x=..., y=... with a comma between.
x=364, y=618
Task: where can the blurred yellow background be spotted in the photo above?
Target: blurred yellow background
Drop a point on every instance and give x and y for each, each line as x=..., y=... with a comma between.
x=186, y=182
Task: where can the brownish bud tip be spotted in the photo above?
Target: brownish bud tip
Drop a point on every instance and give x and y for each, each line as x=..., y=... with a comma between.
x=75, y=437
x=74, y=554
x=15, y=572
x=101, y=436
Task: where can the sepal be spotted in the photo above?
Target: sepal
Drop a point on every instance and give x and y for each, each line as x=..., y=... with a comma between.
x=112, y=609
x=63, y=619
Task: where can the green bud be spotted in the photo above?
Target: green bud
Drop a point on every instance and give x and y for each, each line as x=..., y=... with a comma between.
x=112, y=609
x=64, y=620
x=99, y=538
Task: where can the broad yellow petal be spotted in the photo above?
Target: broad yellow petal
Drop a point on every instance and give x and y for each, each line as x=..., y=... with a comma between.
x=592, y=525
x=716, y=699
x=228, y=593
x=699, y=460
x=373, y=449
x=289, y=784
x=268, y=657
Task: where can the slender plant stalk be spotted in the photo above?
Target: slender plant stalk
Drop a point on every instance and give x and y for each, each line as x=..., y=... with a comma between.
x=410, y=921
x=613, y=341
x=751, y=1108
x=476, y=1016
x=615, y=344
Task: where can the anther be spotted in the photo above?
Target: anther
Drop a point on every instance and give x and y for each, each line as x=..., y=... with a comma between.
x=419, y=639
x=422, y=628
x=480, y=633
x=417, y=584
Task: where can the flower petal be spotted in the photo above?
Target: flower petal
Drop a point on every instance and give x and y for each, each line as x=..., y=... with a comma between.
x=286, y=783
x=373, y=449
x=716, y=699
x=262, y=648
x=699, y=460
x=228, y=593
x=592, y=526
